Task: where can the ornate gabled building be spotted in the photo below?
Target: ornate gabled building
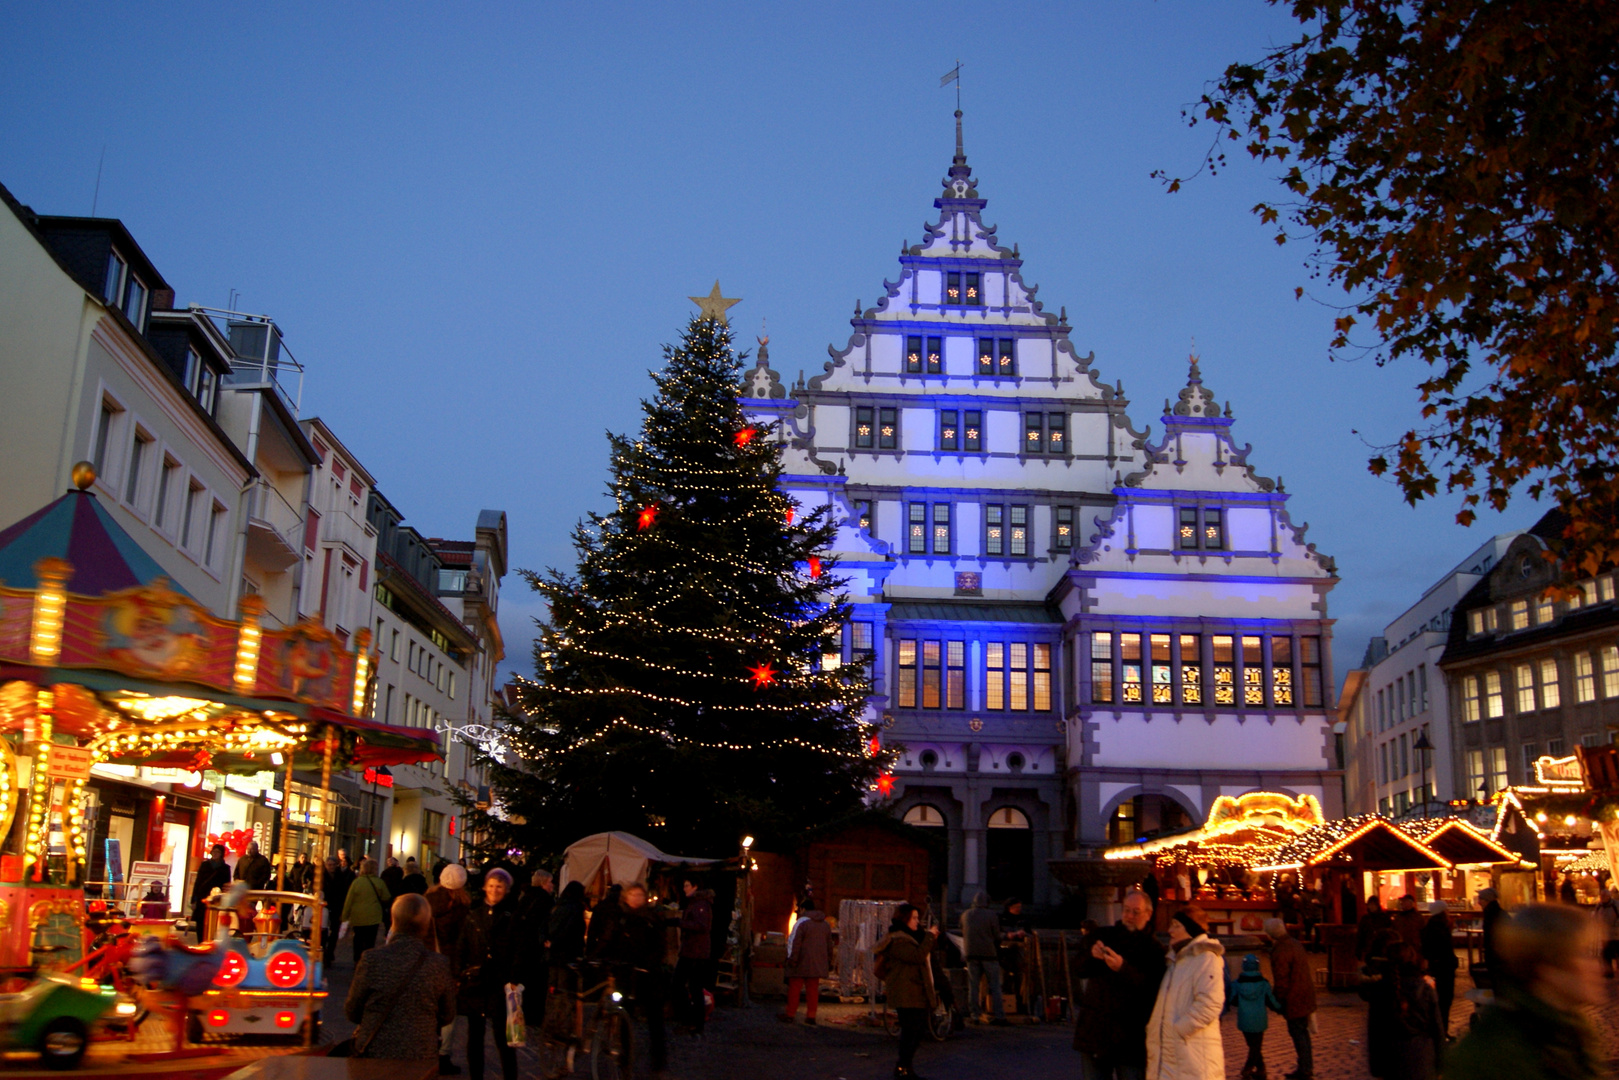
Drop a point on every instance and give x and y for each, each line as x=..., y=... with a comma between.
x=1078, y=635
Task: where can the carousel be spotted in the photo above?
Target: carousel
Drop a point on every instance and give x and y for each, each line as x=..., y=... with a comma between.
x=104, y=661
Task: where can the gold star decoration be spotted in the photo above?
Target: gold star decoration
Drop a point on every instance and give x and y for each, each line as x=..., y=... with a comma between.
x=713, y=306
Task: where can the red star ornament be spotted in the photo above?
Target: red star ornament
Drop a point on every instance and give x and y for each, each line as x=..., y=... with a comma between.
x=814, y=566
x=646, y=517
x=763, y=675
x=791, y=513
x=885, y=783
x=745, y=436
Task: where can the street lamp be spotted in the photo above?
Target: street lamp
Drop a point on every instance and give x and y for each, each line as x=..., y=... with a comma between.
x=1423, y=747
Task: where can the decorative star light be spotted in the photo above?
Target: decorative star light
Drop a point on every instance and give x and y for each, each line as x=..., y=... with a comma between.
x=745, y=436
x=791, y=514
x=713, y=306
x=763, y=675
x=815, y=566
x=885, y=783
x=646, y=517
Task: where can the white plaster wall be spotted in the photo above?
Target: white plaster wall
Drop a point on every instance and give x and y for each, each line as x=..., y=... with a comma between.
x=1241, y=598
x=1193, y=742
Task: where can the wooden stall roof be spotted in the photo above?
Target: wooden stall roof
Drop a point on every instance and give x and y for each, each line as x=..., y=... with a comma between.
x=1459, y=841
x=1366, y=841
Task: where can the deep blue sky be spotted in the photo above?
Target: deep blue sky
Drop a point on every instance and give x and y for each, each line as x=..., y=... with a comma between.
x=478, y=223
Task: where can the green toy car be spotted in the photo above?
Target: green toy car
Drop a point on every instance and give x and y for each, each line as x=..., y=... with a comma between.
x=53, y=1015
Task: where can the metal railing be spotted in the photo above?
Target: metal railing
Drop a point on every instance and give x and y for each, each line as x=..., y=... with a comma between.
x=275, y=366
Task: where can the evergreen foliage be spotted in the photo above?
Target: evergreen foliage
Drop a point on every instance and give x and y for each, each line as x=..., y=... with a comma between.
x=678, y=691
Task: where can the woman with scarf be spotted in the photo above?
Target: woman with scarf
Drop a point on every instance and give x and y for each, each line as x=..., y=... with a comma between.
x=1183, y=1033
x=902, y=961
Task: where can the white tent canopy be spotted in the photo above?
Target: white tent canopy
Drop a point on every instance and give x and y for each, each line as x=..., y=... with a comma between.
x=616, y=858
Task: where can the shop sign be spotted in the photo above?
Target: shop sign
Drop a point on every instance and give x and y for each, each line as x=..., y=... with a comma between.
x=69, y=762
x=177, y=777
x=252, y=786
x=115, y=859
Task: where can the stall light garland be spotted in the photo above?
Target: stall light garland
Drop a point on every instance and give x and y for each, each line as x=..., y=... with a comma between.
x=1323, y=842
x=247, y=648
x=50, y=607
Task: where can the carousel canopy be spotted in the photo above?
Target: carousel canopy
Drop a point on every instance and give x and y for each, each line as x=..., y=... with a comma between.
x=76, y=528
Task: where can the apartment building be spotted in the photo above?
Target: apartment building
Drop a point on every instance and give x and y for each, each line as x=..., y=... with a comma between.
x=1529, y=671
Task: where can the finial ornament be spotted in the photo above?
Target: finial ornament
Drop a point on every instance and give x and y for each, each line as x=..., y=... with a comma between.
x=84, y=474
x=714, y=306
x=1196, y=399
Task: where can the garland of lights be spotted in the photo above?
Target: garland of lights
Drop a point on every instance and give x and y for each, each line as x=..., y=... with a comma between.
x=682, y=740
x=38, y=805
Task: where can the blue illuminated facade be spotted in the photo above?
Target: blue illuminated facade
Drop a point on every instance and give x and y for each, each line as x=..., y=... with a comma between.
x=1078, y=634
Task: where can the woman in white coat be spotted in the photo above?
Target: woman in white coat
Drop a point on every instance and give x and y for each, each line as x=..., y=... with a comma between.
x=1183, y=1035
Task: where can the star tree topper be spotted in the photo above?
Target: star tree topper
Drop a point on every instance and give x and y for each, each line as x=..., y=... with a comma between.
x=713, y=306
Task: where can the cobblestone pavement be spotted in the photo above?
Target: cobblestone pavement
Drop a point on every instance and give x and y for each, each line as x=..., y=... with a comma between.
x=751, y=1044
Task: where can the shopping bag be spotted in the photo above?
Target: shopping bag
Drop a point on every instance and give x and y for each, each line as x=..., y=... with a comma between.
x=516, y=1030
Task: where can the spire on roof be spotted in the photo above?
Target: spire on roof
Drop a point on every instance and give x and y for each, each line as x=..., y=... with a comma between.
x=1196, y=401
x=959, y=183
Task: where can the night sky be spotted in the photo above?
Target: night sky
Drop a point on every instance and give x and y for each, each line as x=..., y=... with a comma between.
x=477, y=224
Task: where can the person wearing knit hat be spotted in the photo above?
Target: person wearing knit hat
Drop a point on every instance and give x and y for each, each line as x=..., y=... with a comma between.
x=1253, y=997
x=1183, y=1034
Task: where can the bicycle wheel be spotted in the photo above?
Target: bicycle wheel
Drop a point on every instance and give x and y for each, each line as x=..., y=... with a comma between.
x=941, y=1022
x=611, y=1048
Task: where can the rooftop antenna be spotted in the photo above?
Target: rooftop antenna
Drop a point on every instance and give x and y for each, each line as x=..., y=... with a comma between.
x=95, y=200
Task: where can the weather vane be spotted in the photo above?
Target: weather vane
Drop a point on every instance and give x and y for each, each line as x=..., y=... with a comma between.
x=953, y=76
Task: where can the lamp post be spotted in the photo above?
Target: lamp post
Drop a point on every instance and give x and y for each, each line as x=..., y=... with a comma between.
x=744, y=966
x=1423, y=747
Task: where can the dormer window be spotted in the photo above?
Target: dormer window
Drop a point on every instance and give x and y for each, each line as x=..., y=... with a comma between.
x=125, y=291
x=112, y=290
x=963, y=288
x=1200, y=529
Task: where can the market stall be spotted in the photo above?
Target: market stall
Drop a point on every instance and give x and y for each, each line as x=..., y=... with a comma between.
x=103, y=660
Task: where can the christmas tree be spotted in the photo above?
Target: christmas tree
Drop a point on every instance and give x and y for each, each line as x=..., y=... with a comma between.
x=685, y=686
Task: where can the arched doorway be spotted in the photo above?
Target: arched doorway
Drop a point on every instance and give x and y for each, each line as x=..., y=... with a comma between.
x=1145, y=817
x=924, y=816
x=1009, y=855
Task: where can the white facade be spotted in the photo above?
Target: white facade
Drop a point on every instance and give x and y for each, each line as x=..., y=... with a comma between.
x=1404, y=695
x=999, y=511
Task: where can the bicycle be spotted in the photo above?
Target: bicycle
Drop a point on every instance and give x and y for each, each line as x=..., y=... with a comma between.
x=607, y=1027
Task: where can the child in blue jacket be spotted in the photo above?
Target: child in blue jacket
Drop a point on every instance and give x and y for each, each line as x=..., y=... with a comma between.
x=1250, y=992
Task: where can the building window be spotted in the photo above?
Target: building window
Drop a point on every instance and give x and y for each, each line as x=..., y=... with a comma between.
x=924, y=355
x=932, y=680
x=1518, y=614
x=135, y=303
x=112, y=290
x=1191, y=669
x=1018, y=531
x=994, y=675
x=1545, y=610
x=1585, y=680
x=1422, y=685
x=941, y=528
x=1056, y=433
x=1382, y=763
x=1524, y=676
x=1017, y=676
x=913, y=355
x=963, y=288
x=994, y=530
x=166, y=478
x=1062, y=532
x=1130, y=666
x=1475, y=772
x=862, y=514
x=887, y=429
x=1399, y=698
x=1225, y=682
x=193, y=496
x=1200, y=528
x=1470, y=699
x=1531, y=751
x=949, y=430
x=1494, y=702
x=1163, y=685
x=917, y=529
x=1034, y=427
x=864, y=431
x=98, y=458
x=1610, y=672
x=1551, y=695
x=1590, y=739
x=137, y=464
x=1554, y=748
x=1405, y=761
x=860, y=638
x=972, y=430
x=955, y=675
x=1605, y=588
x=1475, y=623
x=1102, y=668
x=1253, y=671
x=907, y=673
x=216, y=523
x=997, y=357
x=935, y=356
x=1042, y=677
x=1281, y=671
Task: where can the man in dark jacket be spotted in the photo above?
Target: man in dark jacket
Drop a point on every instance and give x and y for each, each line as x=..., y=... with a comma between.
x=253, y=868
x=1371, y=924
x=1490, y=924
x=981, y=943
x=534, y=925
x=1408, y=922
x=1121, y=973
x=211, y=875
x=334, y=887
x=1294, y=986
x=696, y=948
x=632, y=942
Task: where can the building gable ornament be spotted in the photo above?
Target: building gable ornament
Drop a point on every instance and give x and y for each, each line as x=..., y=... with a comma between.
x=761, y=383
